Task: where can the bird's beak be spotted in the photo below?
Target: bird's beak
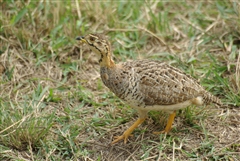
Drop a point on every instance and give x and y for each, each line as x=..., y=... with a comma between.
x=81, y=39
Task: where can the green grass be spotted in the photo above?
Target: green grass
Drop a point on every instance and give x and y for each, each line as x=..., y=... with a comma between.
x=53, y=105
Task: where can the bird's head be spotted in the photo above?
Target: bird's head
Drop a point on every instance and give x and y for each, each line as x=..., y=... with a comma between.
x=99, y=44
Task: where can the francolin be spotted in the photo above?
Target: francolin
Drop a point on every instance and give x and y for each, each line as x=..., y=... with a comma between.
x=147, y=85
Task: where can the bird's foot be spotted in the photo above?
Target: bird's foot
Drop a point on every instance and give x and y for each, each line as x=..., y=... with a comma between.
x=161, y=132
x=124, y=137
x=128, y=132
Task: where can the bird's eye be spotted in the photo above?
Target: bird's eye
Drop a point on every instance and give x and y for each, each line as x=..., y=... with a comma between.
x=99, y=43
x=91, y=38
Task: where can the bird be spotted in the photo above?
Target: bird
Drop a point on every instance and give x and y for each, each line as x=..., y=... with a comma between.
x=146, y=85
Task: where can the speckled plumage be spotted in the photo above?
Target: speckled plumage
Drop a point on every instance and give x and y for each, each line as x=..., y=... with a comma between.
x=153, y=83
x=147, y=84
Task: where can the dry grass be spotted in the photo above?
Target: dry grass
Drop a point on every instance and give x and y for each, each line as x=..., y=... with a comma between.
x=53, y=105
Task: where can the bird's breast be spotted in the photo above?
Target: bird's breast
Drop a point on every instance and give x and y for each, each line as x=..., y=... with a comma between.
x=124, y=84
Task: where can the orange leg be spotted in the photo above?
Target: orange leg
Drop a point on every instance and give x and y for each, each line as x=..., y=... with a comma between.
x=169, y=124
x=128, y=132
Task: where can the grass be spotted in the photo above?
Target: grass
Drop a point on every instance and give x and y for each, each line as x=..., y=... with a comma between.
x=53, y=105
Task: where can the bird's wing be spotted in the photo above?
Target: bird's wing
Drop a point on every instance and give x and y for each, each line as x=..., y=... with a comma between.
x=162, y=84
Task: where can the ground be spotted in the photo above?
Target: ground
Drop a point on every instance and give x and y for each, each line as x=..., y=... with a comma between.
x=54, y=106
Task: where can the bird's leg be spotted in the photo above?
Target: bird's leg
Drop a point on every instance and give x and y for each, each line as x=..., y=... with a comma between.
x=169, y=124
x=128, y=132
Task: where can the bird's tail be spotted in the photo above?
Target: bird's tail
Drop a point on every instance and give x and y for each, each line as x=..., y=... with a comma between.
x=209, y=98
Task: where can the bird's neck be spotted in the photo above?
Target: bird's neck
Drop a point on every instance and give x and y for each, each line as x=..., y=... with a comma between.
x=106, y=60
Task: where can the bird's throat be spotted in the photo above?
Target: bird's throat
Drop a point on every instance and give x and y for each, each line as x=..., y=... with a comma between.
x=106, y=61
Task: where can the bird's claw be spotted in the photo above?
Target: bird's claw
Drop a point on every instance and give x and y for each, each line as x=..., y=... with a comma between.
x=124, y=137
x=161, y=132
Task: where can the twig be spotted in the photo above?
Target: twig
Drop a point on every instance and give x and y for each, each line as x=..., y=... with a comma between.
x=78, y=9
x=238, y=72
x=118, y=156
x=122, y=30
x=132, y=153
x=21, y=121
x=151, y=33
